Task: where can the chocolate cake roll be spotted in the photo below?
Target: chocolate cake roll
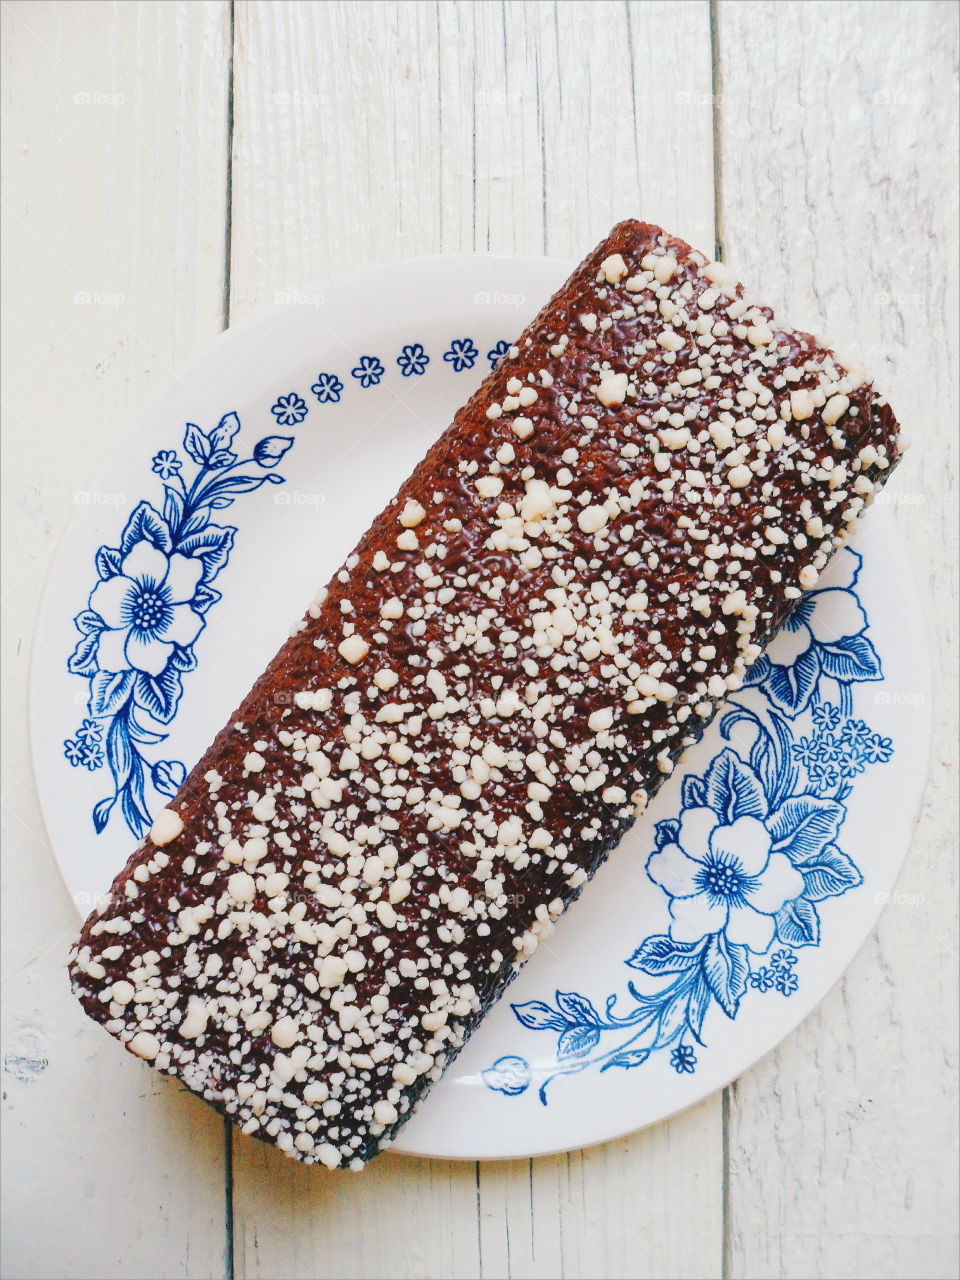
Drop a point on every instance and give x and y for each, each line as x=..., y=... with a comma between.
x=475, y=709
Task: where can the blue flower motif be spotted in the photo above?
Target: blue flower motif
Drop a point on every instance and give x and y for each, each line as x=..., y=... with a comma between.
x=496, y=354
x=462, y=354
x=824, y=636
x=761, y=979
x=825, y=775
x=89, y=732
x=328, y=388
x=368, y=372
x=720, y=869
x=783, y=959
x=73, y=752
x=290, y=410
x=413, y=360
x=855, y=731
x=826, y=715
x=878, y=750
x=268, y=451
x=806, y=751
x=166, y=464
x=683, y=1059
x=92, y=756
x=146, y=609
x=850, y=762
x=786, y=982
x=829, y=747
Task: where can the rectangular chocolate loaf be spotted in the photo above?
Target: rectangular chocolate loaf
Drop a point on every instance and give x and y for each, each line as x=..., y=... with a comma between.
x=488, y=692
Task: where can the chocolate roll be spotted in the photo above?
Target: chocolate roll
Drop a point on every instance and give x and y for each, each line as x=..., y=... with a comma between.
x=483, y=699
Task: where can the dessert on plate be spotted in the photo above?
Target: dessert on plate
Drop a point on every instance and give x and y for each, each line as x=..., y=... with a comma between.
x=481, y=701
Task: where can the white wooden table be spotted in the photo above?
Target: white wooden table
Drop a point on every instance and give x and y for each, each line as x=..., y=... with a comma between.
x=177, y=164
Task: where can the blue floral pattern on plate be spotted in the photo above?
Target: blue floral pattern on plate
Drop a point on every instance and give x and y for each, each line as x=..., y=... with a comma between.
x=148, y=609
x=744, y=864
x=413, y=360
x=462, y=354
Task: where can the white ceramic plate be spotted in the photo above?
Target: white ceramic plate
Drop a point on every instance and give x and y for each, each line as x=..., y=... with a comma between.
x=306, y=418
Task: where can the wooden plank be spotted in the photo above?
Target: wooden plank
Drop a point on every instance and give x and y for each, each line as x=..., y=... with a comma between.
x=448, y=128
x=838, y=139
x=114, y=217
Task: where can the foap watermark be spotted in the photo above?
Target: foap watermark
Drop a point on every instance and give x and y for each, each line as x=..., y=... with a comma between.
x=98, y=98
x=292, y=298
x=895, y=98
x=897, y=899
x=684, y=98
x=84, y=298
x=898, y=698
x=93, y=498
x=888, y=498
x=496, y=298
x=298, y=498
x=897, y=299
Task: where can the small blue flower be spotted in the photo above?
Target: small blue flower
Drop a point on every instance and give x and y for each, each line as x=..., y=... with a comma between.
x=786, y=982
x=290, y=410
x=496, y=354
x=806, y=751
x=327, y=388
x=368, y=372
x=89, y=732
x=855, y=731
x=683, y=1059
x=462, y=354
x=851, y=762
x=783, y=960
x=826, y=716
x=829, y=747
x=878, y=750
x=824, y=775
x=73, y=751
x=166, y=464
x=761, y=979
x=413, y=360
x=91, y=755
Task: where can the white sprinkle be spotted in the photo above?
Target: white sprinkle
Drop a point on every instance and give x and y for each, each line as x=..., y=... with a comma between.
x=144, y=1045
x=412, y=514
x=592, y=519
x=254, y=762
x=242, y=887
x=740, y=476
x=166, y=827
x=600, y=720
x=353, y=649
x=614, y=268
x=612, y=390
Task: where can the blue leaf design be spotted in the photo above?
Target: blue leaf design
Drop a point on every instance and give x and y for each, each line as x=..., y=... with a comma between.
x=101, y=812
x=852, y=658
x=693, y=793
x=828, y=873
x=791, y=688
x=159, y=695
x=203, y=598
x=661, y=954
x=576, y=1042
x=666, y=832
x=732, y=790
x=700, y=1000
x=509, y=1075
x=83, y=660
x=109, y=690
x=88, y=622
x=539, y=1016
x=578, y=1008
x=804, y=824
x=172, y=505
x=145, y=522
x=222, y=435
x=107, y=561
x=798, y=923
x=168, y=776
x=120, y=752
x=218, y=490
x=196, y=444
x=628, y=1059
x=212, y=543
x=725, y=966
